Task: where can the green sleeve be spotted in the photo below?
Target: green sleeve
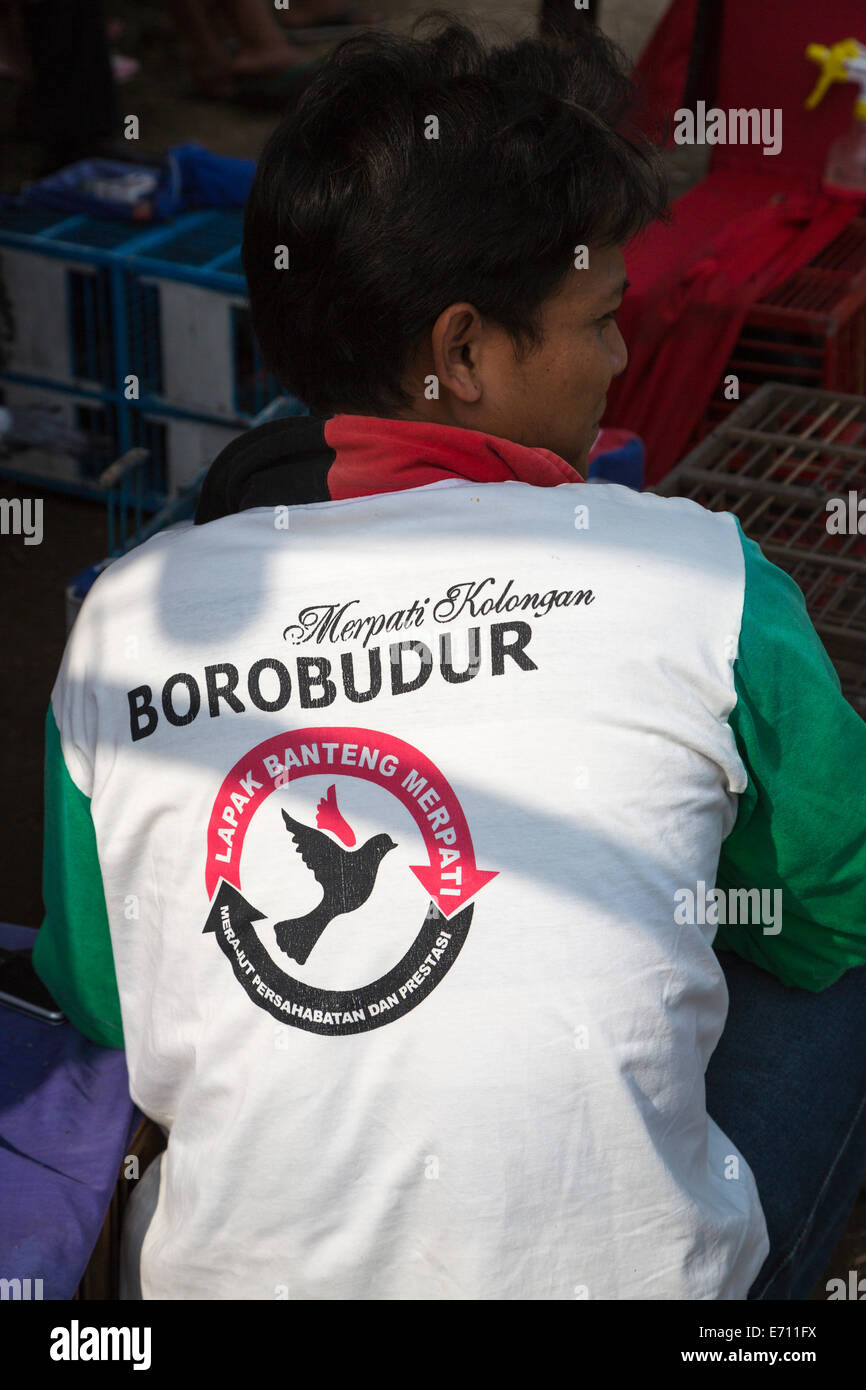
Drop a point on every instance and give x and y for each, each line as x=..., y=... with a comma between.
x=72, y=954
x=801, y=822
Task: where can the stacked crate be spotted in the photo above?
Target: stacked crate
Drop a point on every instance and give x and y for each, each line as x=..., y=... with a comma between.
x=782, y=462
x=809, y=331
x=140, y=335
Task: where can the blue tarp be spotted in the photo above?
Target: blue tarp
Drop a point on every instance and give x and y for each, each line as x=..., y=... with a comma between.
x=66, y=1121
x=189, y=177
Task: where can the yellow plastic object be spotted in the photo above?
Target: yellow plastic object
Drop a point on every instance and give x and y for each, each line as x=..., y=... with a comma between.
x=832, y=61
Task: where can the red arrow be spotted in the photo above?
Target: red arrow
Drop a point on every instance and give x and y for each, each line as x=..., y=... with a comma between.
x=450, y=894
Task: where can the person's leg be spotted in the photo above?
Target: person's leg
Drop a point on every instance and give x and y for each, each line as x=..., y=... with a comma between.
x=264, y=48
x=787, y=1083
x=136, y=1220
x=203, y=47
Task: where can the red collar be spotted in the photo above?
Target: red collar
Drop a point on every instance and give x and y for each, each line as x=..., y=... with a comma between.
x=374, y=454
x=302, y=459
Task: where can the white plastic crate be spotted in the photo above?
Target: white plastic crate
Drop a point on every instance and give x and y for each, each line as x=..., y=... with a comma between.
x=192, y=349
x=61, y=315
x=75, y=412
x=179, y=448
x=96, y=301
x=196, y=348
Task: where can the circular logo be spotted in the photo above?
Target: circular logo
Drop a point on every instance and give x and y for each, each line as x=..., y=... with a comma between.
x=347, y=871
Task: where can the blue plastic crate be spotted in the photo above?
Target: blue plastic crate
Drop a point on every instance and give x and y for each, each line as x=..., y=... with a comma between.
x=72, y=237
x=144, y=337
x=97, y=233
x=26, y=221
x=152, y=320
x=91, y=326
x=64, y=472
x=152, y=435
x=200, y=242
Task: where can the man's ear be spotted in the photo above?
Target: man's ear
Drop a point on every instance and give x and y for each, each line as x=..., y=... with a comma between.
x=456, y=342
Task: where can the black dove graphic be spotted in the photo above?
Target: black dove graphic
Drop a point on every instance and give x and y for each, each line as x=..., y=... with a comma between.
x=347, y=876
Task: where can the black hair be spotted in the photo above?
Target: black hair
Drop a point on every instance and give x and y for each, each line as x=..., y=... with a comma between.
x=385, y=227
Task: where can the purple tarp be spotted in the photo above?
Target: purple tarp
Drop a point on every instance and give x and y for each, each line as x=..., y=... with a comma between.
x=66, y=1121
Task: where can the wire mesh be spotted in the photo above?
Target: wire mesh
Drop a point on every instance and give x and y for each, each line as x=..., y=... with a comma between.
x=790, y=463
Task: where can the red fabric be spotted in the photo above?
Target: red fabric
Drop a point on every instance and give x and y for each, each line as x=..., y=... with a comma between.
x=663, y=67
x=763, y=63
x=730, y=242
x=691, y=292
x=374, y=454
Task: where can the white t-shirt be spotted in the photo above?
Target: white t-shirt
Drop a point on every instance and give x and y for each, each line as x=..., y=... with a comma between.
x=393, y=798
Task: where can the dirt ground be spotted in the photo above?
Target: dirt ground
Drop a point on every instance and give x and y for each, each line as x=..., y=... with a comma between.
x=33, y=578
